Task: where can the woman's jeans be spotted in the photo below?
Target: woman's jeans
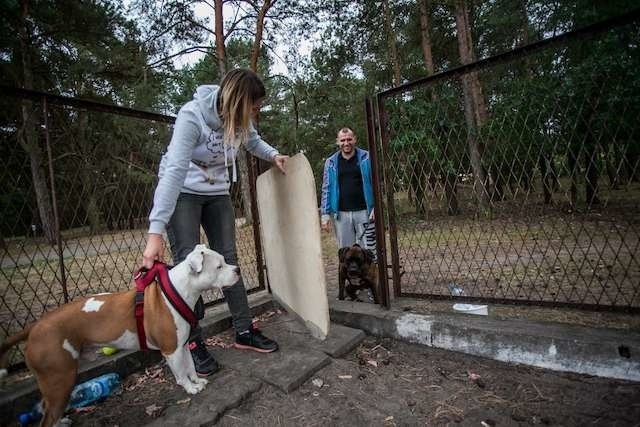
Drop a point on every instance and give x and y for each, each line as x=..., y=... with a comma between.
x=215, y=214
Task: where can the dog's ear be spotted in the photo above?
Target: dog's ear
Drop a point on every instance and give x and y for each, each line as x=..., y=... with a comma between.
x=342, y=252
x=368, y=255
x=195, y=260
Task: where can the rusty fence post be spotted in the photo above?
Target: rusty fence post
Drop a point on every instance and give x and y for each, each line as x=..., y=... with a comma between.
x=381, y=243
x=388, y=184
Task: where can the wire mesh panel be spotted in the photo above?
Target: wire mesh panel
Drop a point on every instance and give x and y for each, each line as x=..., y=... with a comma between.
x=77, y=190
x=519, y=180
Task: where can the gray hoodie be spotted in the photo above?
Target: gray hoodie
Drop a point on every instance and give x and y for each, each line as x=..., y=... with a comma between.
x=196, y=160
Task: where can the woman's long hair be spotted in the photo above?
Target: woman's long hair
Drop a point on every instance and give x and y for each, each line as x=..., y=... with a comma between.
x=239, y=90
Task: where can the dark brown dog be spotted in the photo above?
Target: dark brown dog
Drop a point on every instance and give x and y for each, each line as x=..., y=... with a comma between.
x=357, y=272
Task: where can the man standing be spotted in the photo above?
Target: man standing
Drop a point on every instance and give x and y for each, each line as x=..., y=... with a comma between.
x=347, y=193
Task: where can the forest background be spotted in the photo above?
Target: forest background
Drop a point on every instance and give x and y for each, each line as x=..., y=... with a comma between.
x=125, y=53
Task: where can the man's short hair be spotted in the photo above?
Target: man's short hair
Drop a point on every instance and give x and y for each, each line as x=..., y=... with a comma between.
x=345, y=130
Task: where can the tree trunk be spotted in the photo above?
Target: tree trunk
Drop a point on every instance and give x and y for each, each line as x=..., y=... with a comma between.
x=479, y=105
x=219, y=30
x=610, y=158
x=28, y=136
x=436, y=169
x=547, y=189
x=257, y=42
x=592, y=172
x=92, y=207
x=573, y=171
x=391, y=43
x=418, y=183
x=473, y=117
x=296, y=115
x=243, y=158
x=467, y=55
x=633, y=162
x=425, y=38
x=243, y=168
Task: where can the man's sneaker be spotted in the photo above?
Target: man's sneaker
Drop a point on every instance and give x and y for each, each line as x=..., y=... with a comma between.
x=203, y=360
x=252, y=339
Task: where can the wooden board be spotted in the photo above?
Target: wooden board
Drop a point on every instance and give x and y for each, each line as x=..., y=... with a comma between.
x=290, y=230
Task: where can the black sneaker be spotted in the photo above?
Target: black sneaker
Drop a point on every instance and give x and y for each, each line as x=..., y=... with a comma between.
x=252, y=339
x=203, y=360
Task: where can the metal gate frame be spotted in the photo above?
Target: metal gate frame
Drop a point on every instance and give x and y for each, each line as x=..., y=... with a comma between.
x=379, y=139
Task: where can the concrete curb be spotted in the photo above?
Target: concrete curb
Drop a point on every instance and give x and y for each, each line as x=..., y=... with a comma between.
x=601, y=352
x=22, y=396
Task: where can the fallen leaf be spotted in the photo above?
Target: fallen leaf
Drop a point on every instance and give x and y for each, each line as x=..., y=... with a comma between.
x=180, y=402
x=153, y=410
x=345, y=377
x=317, y=382
x=389, y=418
x=473, y=376
x=372, y=363
x=217, y=342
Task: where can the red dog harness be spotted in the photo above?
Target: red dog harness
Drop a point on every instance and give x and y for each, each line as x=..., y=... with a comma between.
x=144, y=278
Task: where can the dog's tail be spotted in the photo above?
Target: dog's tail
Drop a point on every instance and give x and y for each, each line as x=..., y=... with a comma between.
x=10, y=342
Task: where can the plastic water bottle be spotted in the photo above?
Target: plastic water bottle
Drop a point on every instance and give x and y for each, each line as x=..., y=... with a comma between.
x=32, y=416
x=455, y=290
x=82, y=395
x=93, y=390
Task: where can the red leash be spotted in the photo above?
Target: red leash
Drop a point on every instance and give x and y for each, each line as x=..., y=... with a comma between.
x=144, y=277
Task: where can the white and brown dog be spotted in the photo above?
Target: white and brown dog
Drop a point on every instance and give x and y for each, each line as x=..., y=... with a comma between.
x=56, y=340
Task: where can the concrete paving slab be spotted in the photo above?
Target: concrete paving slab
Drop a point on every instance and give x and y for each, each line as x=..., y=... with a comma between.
x=340, y=340
x=601, y=352
x=286, y=368
x=226, y=390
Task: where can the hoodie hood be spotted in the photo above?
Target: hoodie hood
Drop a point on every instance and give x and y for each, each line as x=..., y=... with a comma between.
x=206, y=97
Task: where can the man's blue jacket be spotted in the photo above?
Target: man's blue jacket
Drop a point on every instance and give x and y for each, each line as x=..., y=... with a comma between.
x=330, y=190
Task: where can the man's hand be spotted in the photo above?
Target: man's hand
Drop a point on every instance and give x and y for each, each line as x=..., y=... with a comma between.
x=280, y=161
x=326, y=225
x=154, y=250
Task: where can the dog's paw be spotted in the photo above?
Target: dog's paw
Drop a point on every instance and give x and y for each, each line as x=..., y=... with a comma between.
x=193, y=388
x=201, y=381
x=201, y=385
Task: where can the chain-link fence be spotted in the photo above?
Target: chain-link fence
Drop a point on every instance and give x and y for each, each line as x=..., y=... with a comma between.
x=517, y=178
x=78, y=180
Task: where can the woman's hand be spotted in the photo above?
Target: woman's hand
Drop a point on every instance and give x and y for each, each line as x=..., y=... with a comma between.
x=154, y=250
x=280, y=162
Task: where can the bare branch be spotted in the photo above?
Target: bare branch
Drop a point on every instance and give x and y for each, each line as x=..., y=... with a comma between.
x=234, y=25
x=208, y=4
x=191, y=49
x=202, y=27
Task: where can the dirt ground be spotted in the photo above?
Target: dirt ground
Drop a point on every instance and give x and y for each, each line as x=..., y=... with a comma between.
x=388, y=382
